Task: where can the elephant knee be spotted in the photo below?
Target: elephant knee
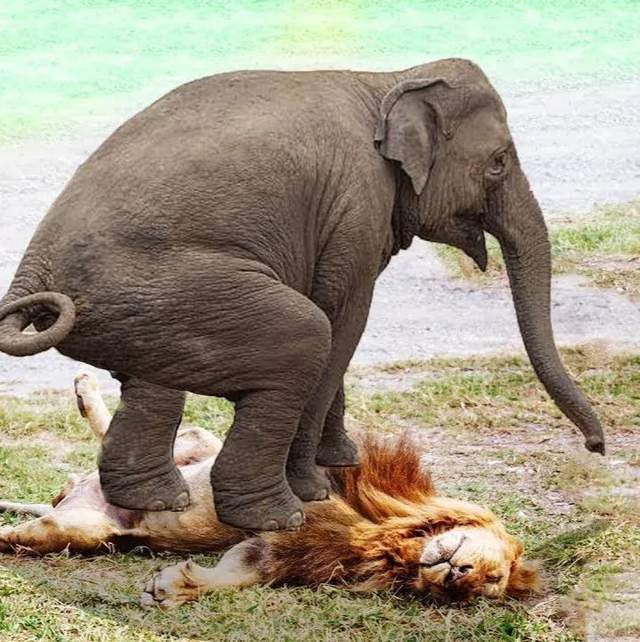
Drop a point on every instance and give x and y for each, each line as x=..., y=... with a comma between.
x=310, y=339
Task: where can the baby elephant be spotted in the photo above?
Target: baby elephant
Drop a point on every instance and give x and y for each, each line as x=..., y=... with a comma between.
x=226, y=241
x=384, y=527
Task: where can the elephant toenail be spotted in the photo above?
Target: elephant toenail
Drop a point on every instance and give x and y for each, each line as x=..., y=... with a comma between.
x=158, y=504
x=270, y=525
x=182, y=500
x=296, y=520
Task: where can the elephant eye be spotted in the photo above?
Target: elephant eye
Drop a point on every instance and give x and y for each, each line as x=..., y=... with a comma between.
x=498, y=164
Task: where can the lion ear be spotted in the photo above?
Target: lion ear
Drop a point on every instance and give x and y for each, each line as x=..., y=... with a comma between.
x=524, y=578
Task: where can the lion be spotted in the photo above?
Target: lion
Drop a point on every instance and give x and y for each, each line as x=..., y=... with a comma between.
x=383, y=527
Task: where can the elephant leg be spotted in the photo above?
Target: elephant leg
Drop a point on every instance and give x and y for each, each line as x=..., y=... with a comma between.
x=307, y=481
x=137, y=468
x=249, y=486
x=227, y=327
x=336, y=448
x=282, y=351
x=319, y=442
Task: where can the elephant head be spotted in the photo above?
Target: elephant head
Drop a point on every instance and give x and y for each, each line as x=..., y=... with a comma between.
x=458, y=176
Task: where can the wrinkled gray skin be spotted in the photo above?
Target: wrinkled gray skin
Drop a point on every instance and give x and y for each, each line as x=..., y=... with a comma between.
x=226, y=241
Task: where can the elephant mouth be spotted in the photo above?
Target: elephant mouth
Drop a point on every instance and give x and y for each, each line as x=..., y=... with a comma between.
x=469, y=237
x=477, y=251
x=467, y=234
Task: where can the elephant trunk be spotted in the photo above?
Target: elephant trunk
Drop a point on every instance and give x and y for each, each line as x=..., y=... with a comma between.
x=515, y=219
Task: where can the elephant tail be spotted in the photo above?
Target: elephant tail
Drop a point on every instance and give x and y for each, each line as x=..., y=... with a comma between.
x=16, y=316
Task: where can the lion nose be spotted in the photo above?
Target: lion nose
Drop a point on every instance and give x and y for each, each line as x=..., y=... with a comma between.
x=457, y=572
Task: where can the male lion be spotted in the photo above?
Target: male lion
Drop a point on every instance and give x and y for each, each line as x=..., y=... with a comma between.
x=383, y=527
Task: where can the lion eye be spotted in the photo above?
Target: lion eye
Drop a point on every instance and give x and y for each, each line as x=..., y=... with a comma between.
x=493, y=579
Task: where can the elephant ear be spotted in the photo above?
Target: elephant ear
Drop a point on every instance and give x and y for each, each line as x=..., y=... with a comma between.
x=407, y=129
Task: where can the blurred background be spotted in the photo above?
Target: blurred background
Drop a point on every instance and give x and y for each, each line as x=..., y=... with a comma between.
x=68, y=61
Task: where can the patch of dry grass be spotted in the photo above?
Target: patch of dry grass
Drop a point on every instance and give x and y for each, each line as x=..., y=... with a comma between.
x=501, y=394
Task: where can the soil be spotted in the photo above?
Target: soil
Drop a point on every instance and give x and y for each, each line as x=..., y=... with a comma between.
x=578, y=147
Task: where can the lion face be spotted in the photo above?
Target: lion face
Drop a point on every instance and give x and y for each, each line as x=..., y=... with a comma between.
x=470, y=561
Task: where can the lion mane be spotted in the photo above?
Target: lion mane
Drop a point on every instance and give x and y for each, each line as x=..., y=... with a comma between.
x=371, y=534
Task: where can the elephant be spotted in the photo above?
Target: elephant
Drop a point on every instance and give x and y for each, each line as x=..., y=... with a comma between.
x=226, y=241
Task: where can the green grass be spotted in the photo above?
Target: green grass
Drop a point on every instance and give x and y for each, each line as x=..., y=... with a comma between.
x=603, y=246
x=47, y=412
x=29, y=473
x=216, y=414
x=68, y=61
x=496, y=440
x=72, y=607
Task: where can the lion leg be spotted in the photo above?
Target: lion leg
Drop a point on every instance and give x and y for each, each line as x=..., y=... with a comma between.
x=192, y=444
x=17, y=508
x=81, y=530
x=186, y=581
x=91, y=404
x=195, y=444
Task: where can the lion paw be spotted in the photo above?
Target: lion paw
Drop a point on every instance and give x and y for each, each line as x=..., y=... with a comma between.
x=171, y=587
x=86, y=387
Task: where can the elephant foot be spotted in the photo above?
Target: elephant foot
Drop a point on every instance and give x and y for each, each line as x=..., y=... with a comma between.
x=167, y=491
x=310, y=486
x=275, y=510
x=337, y=451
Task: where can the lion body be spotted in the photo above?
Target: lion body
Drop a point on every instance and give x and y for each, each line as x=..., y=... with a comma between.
x=373, y=532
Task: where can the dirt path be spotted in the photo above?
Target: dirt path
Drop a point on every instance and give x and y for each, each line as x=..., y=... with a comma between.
x=578, y=146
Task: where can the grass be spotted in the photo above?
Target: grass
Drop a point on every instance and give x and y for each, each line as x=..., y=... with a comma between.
x=494, y=439
x=502, y=393
x=604, y=247
x=50, y=413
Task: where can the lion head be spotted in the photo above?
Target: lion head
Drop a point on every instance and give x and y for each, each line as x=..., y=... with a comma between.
x=469, y=561
x=445, y=547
